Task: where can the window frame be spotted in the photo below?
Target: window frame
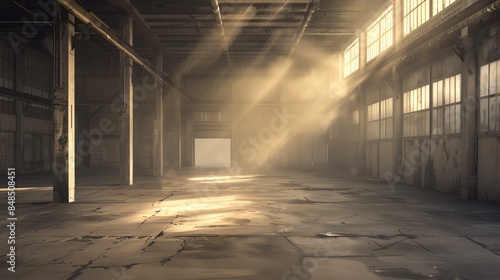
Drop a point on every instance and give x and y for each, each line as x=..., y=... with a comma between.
x=352, y=60
x=415, y=16
x=486, y=96
x=376, y=40
x=416, y=106
x=443, y=105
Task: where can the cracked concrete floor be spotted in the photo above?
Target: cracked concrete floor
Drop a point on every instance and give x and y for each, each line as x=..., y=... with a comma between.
x=281, y=225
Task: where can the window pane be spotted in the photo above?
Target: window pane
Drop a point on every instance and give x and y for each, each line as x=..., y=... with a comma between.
x=437, y=122
x=389, y=128
x=493, y=78
x=389, y=107
x=457, y=120
x=483, y=114
x=494, y=109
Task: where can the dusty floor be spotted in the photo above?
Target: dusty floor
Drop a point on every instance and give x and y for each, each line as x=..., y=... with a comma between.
x=280, y=225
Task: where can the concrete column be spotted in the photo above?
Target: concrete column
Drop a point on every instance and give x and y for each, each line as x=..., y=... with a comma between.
x=127, y=110
x=189, y=139
x=468, y=183
x=64, y=108
x=158, y=121
x=398, y=24
x=397, y=86
x=173, y=135
x=19, y=136
x=362, y=133
x=362, y=49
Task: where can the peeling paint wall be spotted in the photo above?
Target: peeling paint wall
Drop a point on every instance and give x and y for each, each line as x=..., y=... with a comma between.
x=445, y=162
x=416, y=162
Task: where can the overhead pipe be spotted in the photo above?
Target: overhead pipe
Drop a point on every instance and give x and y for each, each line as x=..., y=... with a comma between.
x=220, y=28
x=95, y=22
x=313, y=7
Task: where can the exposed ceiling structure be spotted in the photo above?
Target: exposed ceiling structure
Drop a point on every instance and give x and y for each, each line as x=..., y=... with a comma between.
x=224, y=33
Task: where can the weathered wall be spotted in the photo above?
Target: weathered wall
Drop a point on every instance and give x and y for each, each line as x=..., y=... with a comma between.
x=262, y=136
x=488, y=173
x=445, y=163
x=386, y=158
x=489, y=169
x=416, y=162
x=372, y=159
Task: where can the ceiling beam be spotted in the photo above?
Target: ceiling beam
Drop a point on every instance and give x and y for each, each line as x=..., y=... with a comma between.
x=264, y=1
x=313, y=6
x=225, y=16
x=106, y=32
x=142, y=25
x=220, y=28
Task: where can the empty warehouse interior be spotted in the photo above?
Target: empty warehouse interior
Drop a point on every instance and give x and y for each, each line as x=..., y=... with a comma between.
x=252, y=139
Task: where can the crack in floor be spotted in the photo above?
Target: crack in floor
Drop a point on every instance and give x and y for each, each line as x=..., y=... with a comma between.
x=484, y=246
x=156, y=212
x=79, y=271
x=423, y=247
x=163, y=199
x=169, y=258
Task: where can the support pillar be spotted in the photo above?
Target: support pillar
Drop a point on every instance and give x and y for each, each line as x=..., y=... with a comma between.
x=397, y=87
x=398, y=24
x=64, y=108
x=361, y=160
x=127, y=110
x=468, y=168
x=173, y=133
x=158, y=121
x=362, y=49
x=19, y=135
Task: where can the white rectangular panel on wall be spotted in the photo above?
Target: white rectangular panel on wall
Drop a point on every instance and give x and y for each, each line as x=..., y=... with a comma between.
x=212, y=152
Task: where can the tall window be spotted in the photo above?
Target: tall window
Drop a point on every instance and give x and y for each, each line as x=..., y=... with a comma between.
x=6, y=65
x=490, y=97
x=446, y=106
x=416, y=12
x=439, y=5
x=386, y=118
x=351, y=120
x=380, y=34
x=37, y=75
x=372, y=121
x=351, y=58
x=379, y=120
x=416, y=115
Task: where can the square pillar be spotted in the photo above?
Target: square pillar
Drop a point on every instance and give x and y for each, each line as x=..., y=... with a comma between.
x=468, y=168
x=127, y=109
x=64, y=108
x=397, y=130
x=19, y=136
x=158, y=121
x=398, y=24
x=19, y=104
x=173, y=133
